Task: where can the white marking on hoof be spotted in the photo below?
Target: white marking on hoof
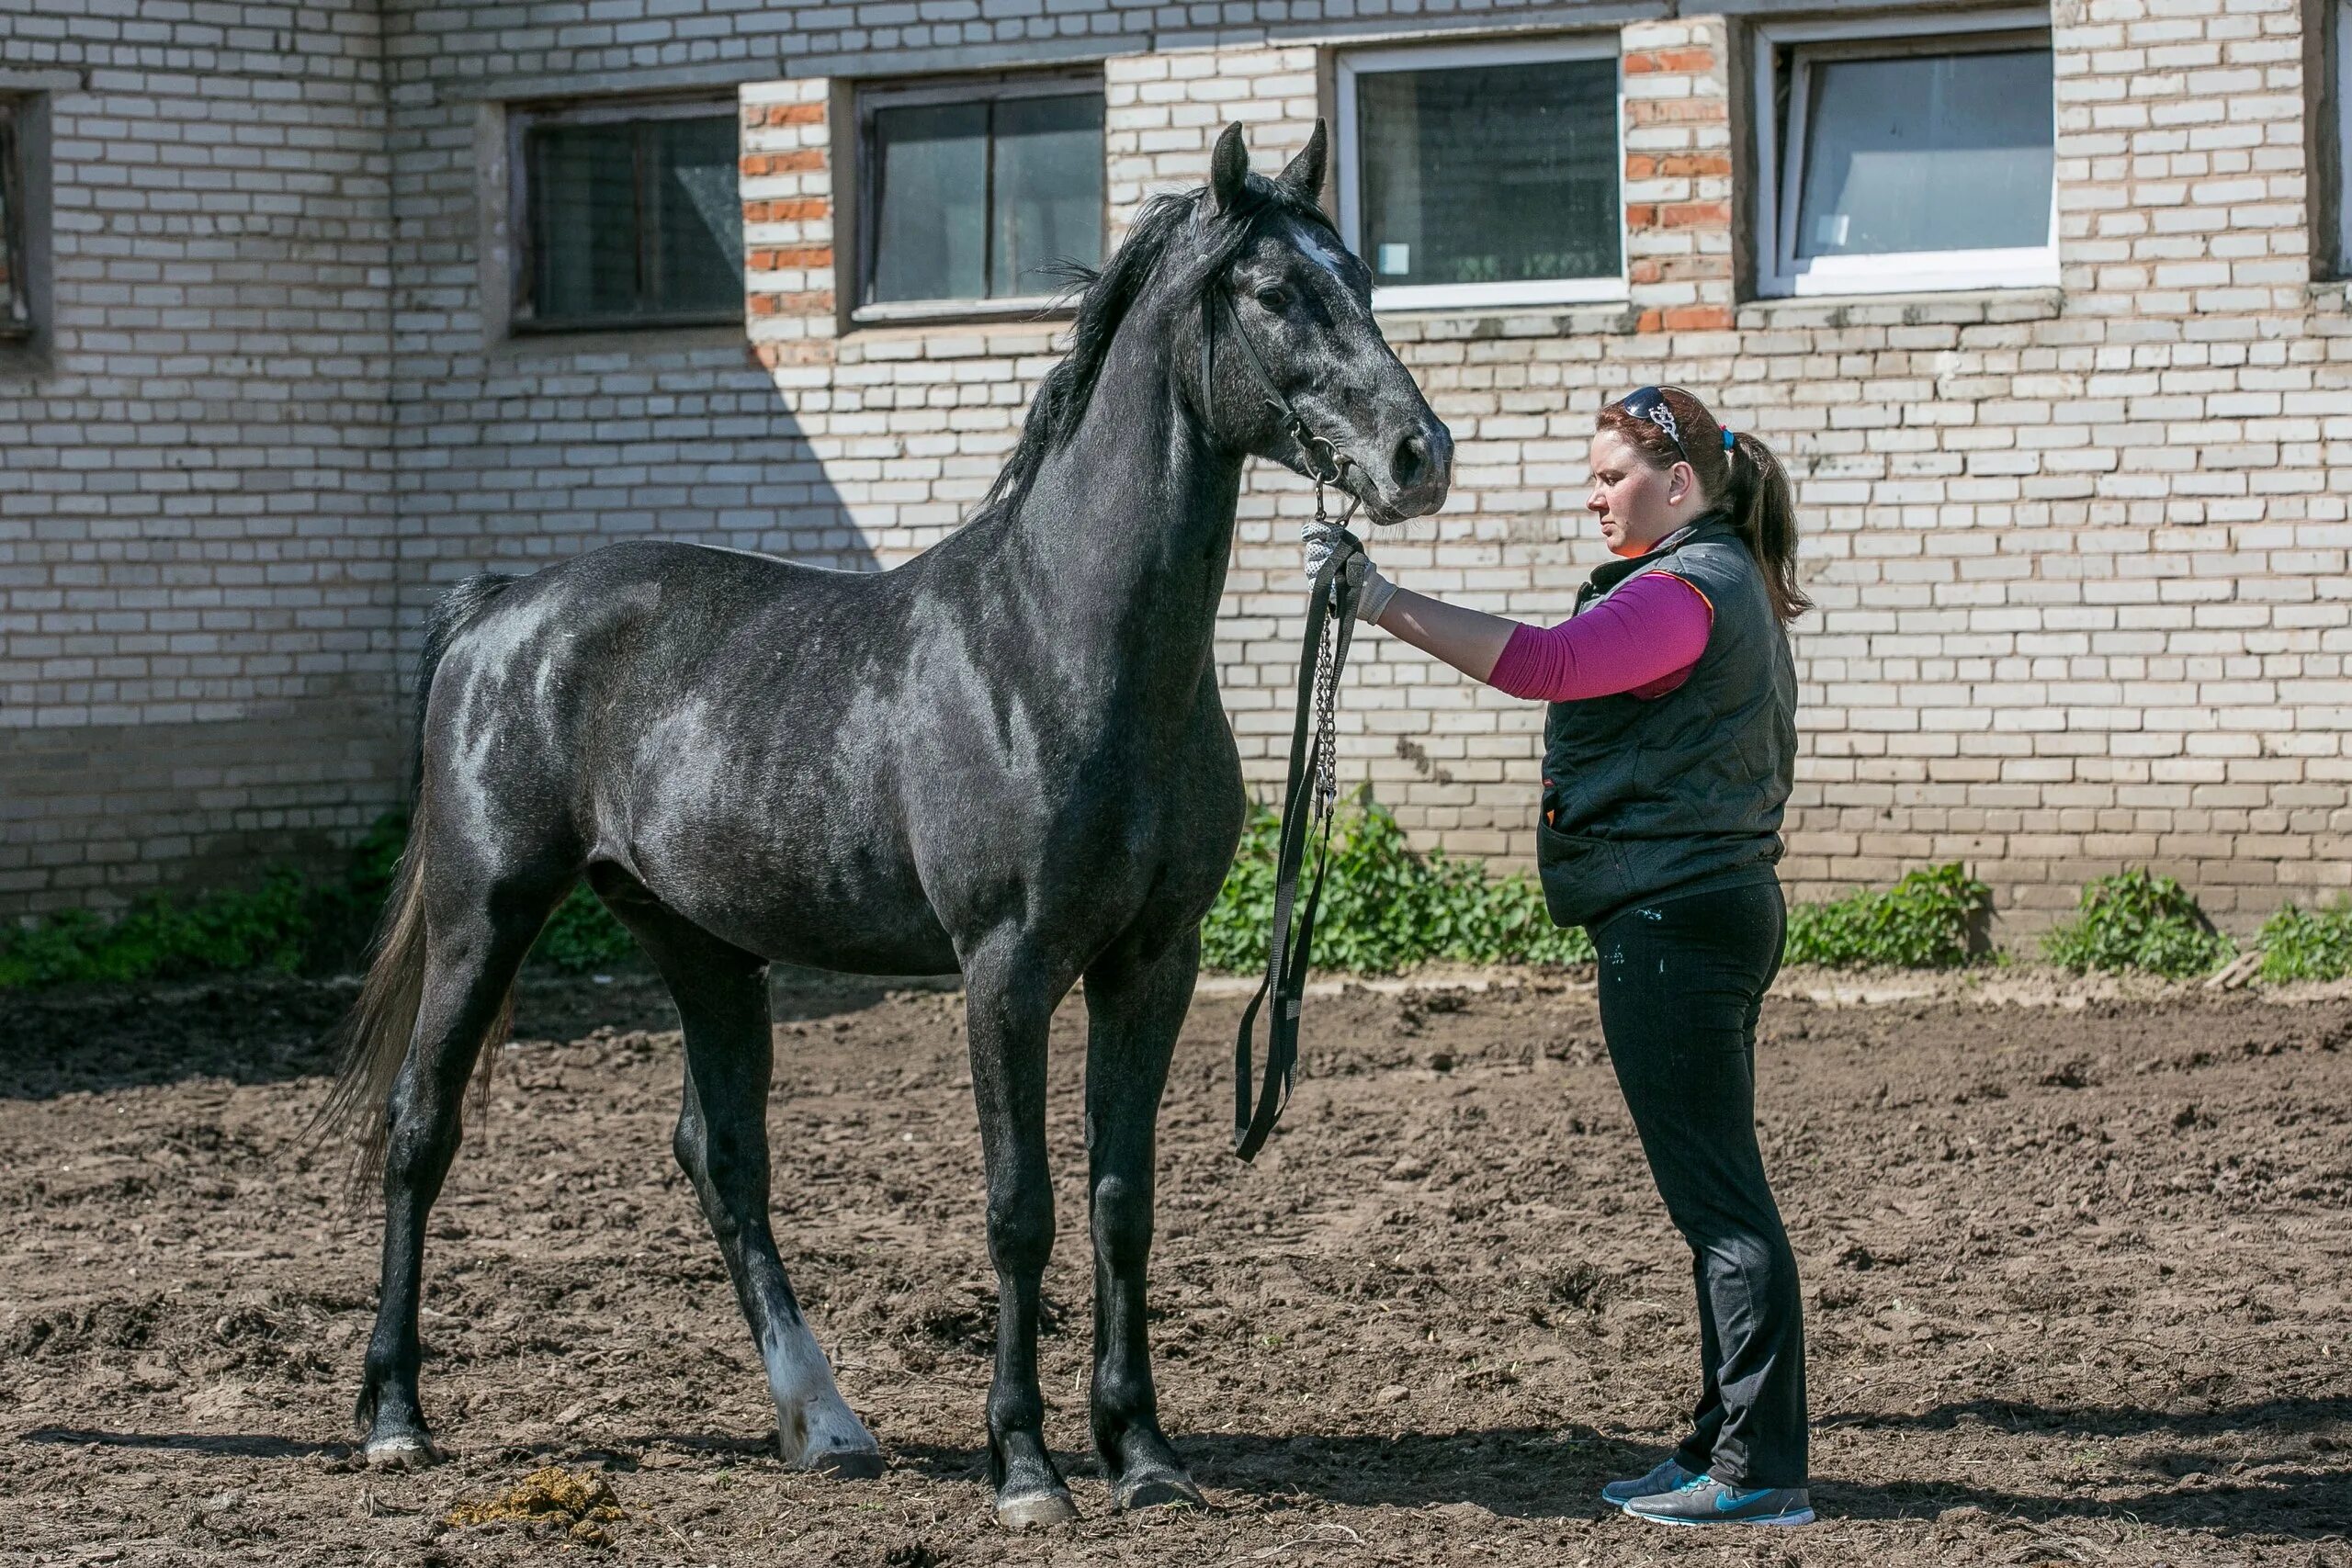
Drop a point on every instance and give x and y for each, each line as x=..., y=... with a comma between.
x=1039, y=1511
x=401, y=1453
x=815, y=1427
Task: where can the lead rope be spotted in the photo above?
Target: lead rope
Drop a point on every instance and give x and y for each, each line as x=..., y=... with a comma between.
x=1310, y=801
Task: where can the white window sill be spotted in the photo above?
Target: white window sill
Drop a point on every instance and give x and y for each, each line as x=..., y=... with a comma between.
x=549, y=342
x=1918, y=272
x=2035, y=303
x=1498, y=299
x=962, y=312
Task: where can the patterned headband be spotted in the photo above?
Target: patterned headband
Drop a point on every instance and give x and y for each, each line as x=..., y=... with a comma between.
x=1650, y=403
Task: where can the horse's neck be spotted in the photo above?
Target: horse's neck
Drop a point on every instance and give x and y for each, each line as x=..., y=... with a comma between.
x=1121, y=545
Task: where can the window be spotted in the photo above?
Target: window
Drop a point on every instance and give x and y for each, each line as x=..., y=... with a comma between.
x=2343, y=20
x=1912, y=160
x=630, y=217
x=1484, y=175
x=15, y=309
x=975, y=192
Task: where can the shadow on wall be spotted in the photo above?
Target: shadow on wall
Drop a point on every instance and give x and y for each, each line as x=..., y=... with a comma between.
x=550, y=446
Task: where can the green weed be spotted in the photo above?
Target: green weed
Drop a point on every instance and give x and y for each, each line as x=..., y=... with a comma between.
x=1933, y=919
x=2136, y=919
x=2307, y=945
x=1384, y=905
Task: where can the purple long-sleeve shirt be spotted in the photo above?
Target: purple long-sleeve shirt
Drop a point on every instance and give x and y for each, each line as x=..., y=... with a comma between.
x=1642, y=638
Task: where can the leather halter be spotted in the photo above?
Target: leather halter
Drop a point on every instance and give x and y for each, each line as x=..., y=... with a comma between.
x=1214, y=303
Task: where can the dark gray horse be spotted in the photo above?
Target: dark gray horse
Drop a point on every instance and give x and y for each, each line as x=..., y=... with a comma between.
x=1005, y=757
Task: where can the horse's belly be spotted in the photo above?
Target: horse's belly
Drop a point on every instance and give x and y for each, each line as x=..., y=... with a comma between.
x=826, y=888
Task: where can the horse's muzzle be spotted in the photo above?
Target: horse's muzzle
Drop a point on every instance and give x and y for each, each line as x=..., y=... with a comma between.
x=1410, y=474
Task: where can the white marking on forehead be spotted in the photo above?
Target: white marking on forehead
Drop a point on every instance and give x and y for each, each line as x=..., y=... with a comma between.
x=1321, y=254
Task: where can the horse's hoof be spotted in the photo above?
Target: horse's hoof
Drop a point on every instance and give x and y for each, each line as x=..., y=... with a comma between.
x=1156, y=1489
x=1035, y=1510
x=846, y=1464
x=405, y=1451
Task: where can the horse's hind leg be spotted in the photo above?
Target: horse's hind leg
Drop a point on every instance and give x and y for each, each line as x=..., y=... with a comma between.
x=1136, y=1006
x=722, y=1142
x=470, y=969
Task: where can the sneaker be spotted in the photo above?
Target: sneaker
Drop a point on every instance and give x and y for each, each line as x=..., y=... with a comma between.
x=1665, y=1478
x=1703, y=1500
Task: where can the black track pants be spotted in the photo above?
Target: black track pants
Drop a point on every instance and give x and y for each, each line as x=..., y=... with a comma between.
x=1681, y=982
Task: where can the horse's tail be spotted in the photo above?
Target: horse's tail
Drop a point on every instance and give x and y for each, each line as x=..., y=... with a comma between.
x=373, y=1038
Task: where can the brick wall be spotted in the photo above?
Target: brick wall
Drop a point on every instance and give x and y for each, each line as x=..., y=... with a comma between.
x=2079, y=553
x=197, y=629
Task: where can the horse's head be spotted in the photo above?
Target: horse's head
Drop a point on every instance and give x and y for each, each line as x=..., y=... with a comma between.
x=1296, y=371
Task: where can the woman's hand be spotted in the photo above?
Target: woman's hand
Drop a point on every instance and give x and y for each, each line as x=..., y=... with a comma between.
x=1373, y=591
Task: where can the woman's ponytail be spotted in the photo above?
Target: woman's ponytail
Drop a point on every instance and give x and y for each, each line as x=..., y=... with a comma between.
x=1764, y=514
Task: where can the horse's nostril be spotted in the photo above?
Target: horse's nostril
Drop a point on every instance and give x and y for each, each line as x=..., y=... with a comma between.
x=1411, y=462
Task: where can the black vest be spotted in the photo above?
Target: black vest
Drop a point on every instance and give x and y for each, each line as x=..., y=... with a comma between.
x=1681, y=792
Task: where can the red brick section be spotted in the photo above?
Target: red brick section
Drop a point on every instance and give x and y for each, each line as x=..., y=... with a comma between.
x=759, y=114
x=1687, y=62
x=781, y=258
x=1696, y=256
x=813, y=302
x=1687, y=165
x=800, y=161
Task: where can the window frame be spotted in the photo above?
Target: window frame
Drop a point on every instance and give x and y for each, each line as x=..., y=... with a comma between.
x=2340, y=18
x=17, y=320
x=1780, y=272
x=901, y=93
x=522, y=319
x=1600, y=45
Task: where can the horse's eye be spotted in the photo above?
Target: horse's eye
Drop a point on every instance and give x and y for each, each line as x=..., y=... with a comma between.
x=1276, y=299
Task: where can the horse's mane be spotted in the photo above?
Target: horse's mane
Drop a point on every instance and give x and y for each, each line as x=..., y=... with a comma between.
x=1105, y=296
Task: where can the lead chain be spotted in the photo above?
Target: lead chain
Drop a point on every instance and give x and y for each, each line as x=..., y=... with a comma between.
x=1327, y=686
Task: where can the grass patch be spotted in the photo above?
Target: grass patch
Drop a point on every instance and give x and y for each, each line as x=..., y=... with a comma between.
x=1384, y=905
x=2137, y=919
x=1385, y=908
x=1933, y=919
x=2307, y=945
x=288, y=923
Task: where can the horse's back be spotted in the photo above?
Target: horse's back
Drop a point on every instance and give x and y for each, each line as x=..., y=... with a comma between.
x=717, y=724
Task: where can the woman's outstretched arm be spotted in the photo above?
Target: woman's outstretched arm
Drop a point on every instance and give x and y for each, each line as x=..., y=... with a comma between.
x=1651, y=629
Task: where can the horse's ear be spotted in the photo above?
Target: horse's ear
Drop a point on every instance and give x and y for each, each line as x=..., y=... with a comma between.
x=1304, y=173
x=1228, y=169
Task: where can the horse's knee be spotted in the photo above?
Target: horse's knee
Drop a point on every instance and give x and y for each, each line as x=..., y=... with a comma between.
x=1122, y=1222
x=1021, y=1228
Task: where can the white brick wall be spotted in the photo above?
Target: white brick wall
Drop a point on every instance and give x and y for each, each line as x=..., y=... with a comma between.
x=196, y=623
x=2079, y=554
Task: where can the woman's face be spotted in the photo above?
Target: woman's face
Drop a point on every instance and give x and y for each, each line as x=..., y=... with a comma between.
x=1637, y=504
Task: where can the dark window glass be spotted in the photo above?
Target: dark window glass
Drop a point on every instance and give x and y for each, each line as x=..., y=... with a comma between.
x=1491, y=174
x=977, y=200
x=635, y=220
x=1927, y=153
x=14, y=314
x=931, y=222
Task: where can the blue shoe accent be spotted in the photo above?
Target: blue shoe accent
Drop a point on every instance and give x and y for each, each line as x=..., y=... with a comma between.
x=1666, y=1477
x=1703, y=1500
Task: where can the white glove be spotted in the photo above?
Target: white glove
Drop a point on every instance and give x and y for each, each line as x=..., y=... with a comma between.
x=1373, y=591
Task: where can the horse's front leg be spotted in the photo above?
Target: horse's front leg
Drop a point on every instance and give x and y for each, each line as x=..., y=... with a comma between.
x=1010, y=993
x=1136, y=1006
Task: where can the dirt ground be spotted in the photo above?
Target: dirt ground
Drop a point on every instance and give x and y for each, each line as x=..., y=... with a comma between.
x=2076, y=1278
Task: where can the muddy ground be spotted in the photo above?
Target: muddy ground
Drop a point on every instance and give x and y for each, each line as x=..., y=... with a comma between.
x=2077, y=1280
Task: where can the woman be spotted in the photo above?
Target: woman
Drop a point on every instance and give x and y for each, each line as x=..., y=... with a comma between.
x=1667, y=763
